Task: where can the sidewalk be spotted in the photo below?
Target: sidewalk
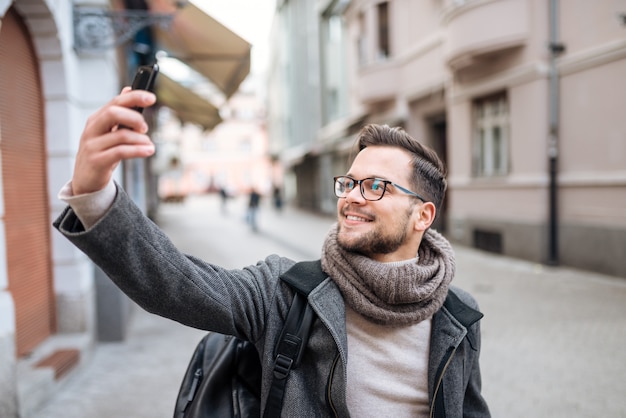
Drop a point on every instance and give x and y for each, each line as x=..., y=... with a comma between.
x=552, y=344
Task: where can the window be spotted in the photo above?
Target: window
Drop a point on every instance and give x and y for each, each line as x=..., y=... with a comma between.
x=333, y=68
x=491, y=136
x=335, y=29
x=383, y=30
x=362, y=41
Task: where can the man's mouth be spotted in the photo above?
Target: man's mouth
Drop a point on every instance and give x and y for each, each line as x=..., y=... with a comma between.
x=356, y=218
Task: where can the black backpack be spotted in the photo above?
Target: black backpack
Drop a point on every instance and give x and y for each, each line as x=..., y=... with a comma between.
x=223, y=378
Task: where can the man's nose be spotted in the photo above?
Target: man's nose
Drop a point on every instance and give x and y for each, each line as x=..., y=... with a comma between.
x=355, y=196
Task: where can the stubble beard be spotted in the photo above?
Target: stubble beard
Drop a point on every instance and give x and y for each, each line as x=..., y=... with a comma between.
x=377, y=241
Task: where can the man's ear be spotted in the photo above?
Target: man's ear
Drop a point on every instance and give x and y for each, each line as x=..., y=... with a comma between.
x=425, y=216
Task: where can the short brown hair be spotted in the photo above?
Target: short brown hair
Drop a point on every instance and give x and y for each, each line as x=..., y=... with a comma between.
x=429, y=172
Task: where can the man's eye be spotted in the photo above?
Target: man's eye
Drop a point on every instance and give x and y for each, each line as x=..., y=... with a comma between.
x=376, y=184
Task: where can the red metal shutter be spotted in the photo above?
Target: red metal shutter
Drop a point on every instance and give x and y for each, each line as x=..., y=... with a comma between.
x=24, y=179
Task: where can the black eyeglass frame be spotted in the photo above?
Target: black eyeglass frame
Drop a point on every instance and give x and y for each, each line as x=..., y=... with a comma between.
x=383, y=181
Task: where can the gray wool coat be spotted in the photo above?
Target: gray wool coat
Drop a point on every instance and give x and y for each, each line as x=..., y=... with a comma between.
x=251, y=304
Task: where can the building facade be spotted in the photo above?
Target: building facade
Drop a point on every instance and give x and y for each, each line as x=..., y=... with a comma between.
x=47, y=290
x=523, y=100
x=59, y=62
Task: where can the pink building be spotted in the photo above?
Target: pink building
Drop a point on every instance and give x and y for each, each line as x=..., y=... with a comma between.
x=233, y=155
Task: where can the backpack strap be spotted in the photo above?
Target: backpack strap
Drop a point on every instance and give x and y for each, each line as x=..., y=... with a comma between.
x=303, y=277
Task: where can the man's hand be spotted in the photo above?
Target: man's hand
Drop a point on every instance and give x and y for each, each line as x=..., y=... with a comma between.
x=103, y=145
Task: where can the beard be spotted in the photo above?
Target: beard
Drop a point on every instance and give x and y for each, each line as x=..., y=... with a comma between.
x=381, y=240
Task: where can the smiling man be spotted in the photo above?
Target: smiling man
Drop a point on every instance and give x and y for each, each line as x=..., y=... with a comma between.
x=394, y=275
x=392, y=337
x=390, y=229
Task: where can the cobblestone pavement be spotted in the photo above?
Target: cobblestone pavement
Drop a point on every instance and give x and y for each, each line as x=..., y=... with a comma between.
x=553, y=338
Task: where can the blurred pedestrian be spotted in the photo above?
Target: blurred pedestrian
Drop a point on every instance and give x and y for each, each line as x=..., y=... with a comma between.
x=393, y=337
x=224, y=199
x=253, y=208
x=278, y=198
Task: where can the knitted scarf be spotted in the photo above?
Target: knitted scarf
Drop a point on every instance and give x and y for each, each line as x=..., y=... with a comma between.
x=393, y=294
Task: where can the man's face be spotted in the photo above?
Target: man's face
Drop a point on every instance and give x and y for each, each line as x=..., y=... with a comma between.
x=383, y=230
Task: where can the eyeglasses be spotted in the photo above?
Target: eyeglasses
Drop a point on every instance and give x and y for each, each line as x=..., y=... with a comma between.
x=371, y=188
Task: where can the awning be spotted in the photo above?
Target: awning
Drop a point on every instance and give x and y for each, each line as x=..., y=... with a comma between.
x=188, y=106
x=205, y=45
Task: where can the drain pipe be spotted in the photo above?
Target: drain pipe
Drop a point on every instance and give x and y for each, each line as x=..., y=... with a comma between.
x=556, y=48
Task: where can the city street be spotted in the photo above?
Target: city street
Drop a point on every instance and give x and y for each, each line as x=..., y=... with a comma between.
x=552, y=344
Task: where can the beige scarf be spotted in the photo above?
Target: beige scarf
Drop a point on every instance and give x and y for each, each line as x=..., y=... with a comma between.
x=394, y=294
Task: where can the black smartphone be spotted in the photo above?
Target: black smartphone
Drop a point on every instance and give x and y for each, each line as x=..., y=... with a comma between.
x=144, y=79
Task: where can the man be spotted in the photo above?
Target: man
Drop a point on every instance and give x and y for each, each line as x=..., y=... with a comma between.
x=253, y=207
x=391, y=339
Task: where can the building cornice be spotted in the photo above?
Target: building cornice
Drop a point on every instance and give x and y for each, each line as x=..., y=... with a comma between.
x=425, y=90
x=574, y=179
x=593, y=57
x=455, y=10
x=493, y=183
x=568, y=64
x=593, y=179
x=509, y=78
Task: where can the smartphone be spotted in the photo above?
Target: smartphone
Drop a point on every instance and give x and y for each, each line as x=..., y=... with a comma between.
x=144, y=79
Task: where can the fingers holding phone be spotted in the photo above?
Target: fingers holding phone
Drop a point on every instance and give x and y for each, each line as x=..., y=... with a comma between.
x=117, y=131
x=123, y=110
x=134, y=98
x=102, y=147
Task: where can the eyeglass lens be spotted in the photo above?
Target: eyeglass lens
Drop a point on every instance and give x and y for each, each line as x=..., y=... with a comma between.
x=371, y=189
